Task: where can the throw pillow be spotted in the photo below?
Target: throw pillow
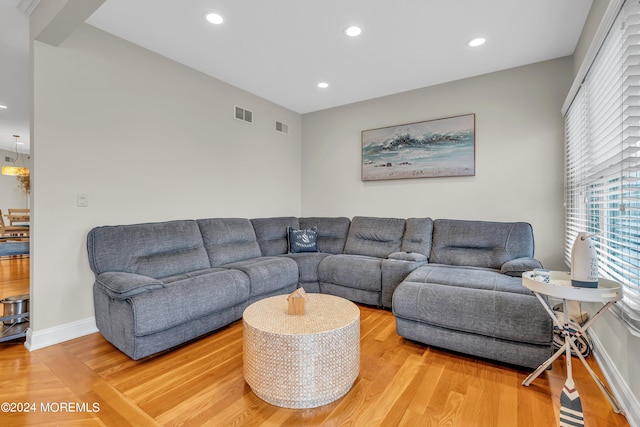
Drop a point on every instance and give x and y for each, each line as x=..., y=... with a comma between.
x=302, y=240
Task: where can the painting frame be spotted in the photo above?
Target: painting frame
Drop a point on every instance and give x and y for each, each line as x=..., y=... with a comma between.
x=435, y=148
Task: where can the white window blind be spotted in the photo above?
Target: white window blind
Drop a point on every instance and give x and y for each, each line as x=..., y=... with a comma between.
x=602, y=160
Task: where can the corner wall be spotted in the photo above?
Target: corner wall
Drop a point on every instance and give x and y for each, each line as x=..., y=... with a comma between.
x=519, y=154
x=147, y=139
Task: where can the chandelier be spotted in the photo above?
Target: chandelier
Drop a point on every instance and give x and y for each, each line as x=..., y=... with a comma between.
x=15, y=170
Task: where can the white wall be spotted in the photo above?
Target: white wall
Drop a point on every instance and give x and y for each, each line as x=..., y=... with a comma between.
x=148, y=140
x=519, y=154
x=11, y=196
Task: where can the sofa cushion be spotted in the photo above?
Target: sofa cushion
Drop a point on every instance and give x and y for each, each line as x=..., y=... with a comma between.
x=272, y=234
x=474, y=301
x=351, y=271
x=417, y=236
x=228, y=240
x=374, y=237
x=307, y=265
x=188, y=299
x=268, y=274
x=480, y=243
x=332, y=232
x=468, y=277
x=305, y=240
x=156, y=250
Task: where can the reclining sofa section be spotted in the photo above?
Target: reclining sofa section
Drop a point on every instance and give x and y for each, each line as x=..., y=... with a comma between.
x=158, y=285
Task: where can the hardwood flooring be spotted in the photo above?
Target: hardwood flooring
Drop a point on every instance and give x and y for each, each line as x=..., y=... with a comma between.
x=87, y=382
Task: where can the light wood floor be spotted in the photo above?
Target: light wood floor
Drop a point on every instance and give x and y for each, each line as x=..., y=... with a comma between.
x=401, y=383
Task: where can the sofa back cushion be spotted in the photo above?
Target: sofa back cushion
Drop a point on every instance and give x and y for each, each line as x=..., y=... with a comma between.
x=375, y=237
x=272, y=234
x=228, y=240
x=332, y=232
x=480, y=243
x=156, y=250
x=417, y=236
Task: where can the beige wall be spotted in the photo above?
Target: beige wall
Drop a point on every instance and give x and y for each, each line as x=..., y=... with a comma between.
x=519, y=154
x=148, y=140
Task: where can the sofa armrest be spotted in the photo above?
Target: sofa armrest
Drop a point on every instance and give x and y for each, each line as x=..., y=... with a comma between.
x=120, y=285
x=395, y=269
x=409, y=256
x=516, y=267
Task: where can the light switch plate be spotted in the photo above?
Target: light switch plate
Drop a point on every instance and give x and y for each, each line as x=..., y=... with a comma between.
x=83, y=200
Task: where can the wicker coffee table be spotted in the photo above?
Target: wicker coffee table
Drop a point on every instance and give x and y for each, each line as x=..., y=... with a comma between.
x=301, y=361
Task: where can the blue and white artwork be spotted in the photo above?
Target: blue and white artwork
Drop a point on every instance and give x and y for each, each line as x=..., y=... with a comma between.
x=434, y=148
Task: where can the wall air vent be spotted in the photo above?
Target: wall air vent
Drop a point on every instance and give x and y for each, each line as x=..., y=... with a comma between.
x=282, y=127
x=243, y=114
x=9, y=159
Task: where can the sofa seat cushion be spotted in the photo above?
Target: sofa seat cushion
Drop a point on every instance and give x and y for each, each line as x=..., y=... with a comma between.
x=183, y=276
x=468, y=277
x=307, y=265
x=352, y=271
x=472, y=300
x=268, y=274
x=188, y=299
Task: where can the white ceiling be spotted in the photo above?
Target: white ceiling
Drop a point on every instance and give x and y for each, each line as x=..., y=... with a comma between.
x=280, y=49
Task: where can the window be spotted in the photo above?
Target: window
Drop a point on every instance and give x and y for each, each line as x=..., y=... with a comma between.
x=602, y=159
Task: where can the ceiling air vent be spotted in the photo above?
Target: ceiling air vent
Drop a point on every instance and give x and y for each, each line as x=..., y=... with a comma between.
x=282, y=127
x=243, y=114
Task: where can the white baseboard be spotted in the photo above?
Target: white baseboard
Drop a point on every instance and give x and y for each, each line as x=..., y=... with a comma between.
x=56, y=335
x=618, y=385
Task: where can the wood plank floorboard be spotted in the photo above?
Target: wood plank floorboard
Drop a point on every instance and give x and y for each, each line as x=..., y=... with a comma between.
x=401, y=383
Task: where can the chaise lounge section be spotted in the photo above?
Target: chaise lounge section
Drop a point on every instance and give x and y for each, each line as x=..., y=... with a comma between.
x=467, y=298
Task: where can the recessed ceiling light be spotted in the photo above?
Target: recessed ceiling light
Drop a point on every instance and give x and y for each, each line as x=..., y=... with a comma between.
x=3, y=106
x=323, y=85
x=214, y=18
x=476, y=42
x=353, y=31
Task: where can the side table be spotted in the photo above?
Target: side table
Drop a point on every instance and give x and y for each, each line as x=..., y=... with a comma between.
x=559, y=286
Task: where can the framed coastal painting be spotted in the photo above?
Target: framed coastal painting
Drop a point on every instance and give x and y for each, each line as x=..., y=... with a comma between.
x=433, y=148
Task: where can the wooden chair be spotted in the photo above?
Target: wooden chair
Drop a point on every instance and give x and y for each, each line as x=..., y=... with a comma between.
x=19, y=216
x=12, y=230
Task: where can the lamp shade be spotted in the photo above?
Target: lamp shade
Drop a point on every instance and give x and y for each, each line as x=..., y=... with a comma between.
x=14, y=170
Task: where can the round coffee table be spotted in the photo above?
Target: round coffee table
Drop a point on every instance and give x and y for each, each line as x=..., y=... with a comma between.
x=301, y=361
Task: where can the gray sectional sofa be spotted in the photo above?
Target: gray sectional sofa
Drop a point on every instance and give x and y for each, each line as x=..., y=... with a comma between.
x=451, y=284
